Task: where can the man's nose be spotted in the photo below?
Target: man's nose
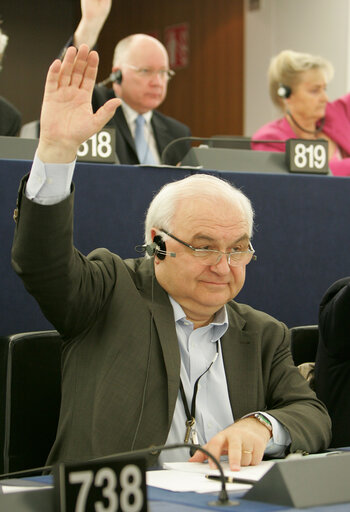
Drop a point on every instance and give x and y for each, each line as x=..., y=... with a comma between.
x=222, y=266
x=157, y=78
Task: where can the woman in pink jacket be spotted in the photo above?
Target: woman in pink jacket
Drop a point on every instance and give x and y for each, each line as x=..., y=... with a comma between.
x=298, y=83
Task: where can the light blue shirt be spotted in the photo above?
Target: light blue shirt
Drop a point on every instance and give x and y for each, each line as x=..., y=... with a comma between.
x=198, y=349
x=50, y=184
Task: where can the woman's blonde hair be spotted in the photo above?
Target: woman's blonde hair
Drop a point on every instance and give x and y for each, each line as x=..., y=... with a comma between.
x=286, y=69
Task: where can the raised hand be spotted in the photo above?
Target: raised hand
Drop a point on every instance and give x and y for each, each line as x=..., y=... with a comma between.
x=67, y=118
x=95, y=9
x=93, y=16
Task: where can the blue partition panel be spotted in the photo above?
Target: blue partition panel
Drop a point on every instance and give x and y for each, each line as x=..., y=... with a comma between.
x=302, y=235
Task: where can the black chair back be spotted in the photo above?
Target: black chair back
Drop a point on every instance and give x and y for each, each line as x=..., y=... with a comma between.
x=30, y=397
x=304, y=342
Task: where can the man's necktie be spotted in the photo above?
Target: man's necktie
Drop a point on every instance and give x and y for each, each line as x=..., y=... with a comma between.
x=143, y=150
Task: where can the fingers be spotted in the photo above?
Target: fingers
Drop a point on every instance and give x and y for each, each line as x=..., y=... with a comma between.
x=90, y=71
x=52, y=76
x=198, y=456
x=106, y=112
x=244, y=443
x=79, y=68
x=68, y=63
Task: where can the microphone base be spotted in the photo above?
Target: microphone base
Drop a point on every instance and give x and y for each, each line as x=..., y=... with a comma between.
x=224, y=503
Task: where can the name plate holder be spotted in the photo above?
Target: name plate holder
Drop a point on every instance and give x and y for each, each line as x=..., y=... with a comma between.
x=111, y=484
x=100, y=147
x=307, y=156
x=305, y=482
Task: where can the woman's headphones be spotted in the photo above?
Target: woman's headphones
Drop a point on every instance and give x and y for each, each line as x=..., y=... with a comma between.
x=284, y=91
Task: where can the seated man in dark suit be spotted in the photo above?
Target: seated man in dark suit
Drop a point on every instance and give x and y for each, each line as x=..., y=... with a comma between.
x=10, y=117
x=140, y=334
x=140, y=76
x=332, y=368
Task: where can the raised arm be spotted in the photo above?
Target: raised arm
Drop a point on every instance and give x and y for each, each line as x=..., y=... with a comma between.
x=93, y=16
x=67, y=118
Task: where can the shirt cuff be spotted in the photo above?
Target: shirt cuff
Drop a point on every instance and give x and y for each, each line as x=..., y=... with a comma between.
x=49, y=183
x=280, y=440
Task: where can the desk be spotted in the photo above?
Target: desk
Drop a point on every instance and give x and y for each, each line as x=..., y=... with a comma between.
x=160, y=501
x=302, y=235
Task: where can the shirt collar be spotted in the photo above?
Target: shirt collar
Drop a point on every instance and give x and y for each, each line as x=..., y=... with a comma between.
x=131, y=114
x=219, y=323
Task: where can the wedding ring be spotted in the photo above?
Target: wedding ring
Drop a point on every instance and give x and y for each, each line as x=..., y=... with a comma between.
x=248, y=451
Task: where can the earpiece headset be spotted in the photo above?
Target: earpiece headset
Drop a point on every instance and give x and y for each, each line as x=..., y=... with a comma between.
x=115, y=76
x=158, y=247
x=284, y=91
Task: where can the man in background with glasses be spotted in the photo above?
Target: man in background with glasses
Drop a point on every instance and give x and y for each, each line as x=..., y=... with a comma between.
x=155, y=349
x=140, y=76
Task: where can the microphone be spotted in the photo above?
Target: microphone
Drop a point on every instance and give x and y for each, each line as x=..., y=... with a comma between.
x=175, y=141
x=242, y=143
x=223, y=499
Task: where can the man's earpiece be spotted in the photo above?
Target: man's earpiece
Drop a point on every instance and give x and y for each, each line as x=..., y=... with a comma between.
x=157, y=247
x=160, y=248
x=284, y=91
x=115, y=76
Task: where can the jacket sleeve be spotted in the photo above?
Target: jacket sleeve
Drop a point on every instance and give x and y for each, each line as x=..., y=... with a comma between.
x=70, y=288
x=291, y=401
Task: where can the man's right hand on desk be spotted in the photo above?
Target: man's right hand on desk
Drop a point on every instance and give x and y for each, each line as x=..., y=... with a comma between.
x=244, y=442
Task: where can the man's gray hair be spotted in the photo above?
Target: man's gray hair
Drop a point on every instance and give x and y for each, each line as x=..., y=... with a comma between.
x=162, y=209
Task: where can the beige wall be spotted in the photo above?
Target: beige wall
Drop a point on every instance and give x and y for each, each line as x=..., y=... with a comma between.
x=315, y=26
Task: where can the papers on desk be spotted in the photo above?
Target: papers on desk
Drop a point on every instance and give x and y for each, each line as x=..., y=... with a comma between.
x=21, y=485
x=190, y=476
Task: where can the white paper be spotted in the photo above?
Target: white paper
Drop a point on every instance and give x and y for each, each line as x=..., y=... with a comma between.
x=251, y=472
x=184, y=481
x=7, y=489
x=190, y=476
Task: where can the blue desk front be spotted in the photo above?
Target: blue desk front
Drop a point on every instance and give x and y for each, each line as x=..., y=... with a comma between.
x=302, y=235
x=159, y=501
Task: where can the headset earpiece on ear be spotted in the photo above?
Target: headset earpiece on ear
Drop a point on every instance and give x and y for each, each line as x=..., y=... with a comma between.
x=284, y=91
x=117, y=76
x=160, y=245
x=150, y=249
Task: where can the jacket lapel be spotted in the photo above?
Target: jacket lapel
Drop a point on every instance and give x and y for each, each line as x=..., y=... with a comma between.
x=161, y=132
x=240, y=361
x=163, y=326
x=123, y=128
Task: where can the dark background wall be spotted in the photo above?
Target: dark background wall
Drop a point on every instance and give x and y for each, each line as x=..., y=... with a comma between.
x=37, y=30
x=207, y=94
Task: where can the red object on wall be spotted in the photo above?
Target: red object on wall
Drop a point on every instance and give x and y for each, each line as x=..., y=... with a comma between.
x=176, y=39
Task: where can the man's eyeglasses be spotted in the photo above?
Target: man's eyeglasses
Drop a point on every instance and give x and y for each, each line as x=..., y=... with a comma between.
x=213, y=256
x=165, y=74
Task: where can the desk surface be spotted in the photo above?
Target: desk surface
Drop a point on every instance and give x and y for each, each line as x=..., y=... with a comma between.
x=301, y=238
x=158, y=501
